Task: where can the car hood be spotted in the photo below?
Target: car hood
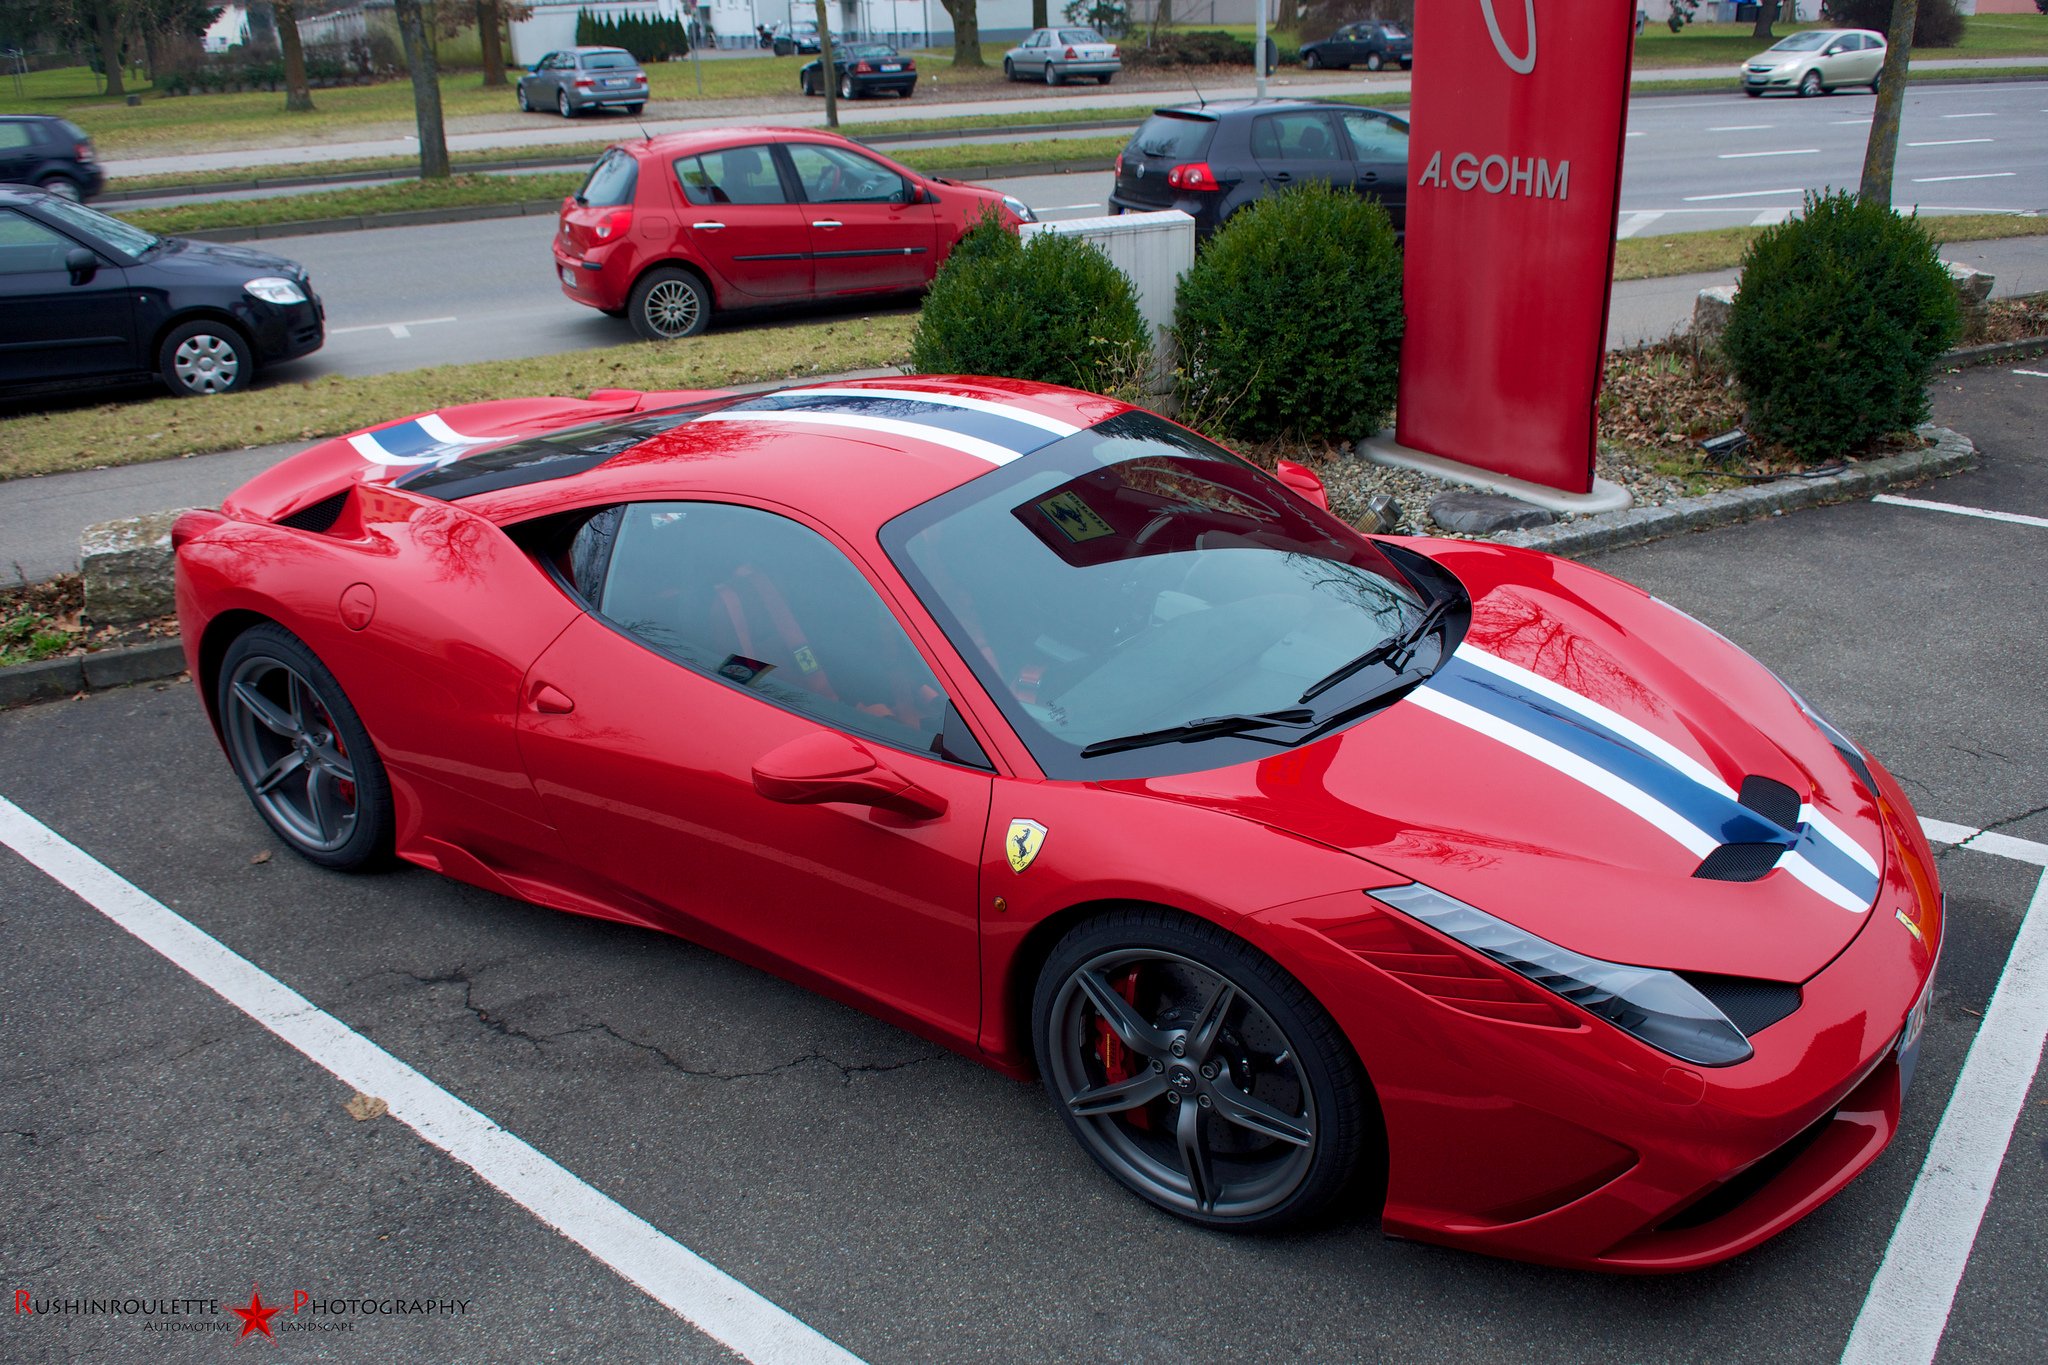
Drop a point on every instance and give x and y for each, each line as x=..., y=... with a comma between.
x=1572, y=767
x=182, y=253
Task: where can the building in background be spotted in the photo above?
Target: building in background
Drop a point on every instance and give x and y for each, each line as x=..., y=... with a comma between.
x=230, y=28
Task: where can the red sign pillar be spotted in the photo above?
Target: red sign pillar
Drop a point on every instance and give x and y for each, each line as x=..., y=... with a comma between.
x=1514, y=182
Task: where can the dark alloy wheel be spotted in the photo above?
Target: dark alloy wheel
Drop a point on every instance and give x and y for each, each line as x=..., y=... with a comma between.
x=301, y=751
x=1811, y=85
x=1198, y=1072
x=669, y=304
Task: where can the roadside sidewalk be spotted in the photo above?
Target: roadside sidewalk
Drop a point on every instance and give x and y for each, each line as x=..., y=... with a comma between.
x=804, y=114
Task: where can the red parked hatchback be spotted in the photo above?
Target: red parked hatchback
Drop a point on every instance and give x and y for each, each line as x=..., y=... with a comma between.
x=670, y=229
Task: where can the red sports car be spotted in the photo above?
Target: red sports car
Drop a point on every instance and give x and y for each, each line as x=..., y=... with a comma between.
x=1293, y=860
x=669, y=229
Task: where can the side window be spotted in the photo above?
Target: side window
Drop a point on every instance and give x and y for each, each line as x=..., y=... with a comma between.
x=1300, y=136
x=737, y=175
x=832, y=175
x=14, y=136
x=29, y=248
x=1376, y=139
x=768, y=606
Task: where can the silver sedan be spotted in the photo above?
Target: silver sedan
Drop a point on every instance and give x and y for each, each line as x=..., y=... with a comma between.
x=1053, y=54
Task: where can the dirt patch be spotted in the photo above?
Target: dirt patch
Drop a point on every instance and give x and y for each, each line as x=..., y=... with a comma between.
x=43, y=621
x=2015, y=319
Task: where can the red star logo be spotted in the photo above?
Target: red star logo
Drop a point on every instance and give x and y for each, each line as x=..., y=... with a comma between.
x=256, y=1317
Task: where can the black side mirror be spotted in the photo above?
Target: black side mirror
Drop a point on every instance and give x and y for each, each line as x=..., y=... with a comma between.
x=82, y=264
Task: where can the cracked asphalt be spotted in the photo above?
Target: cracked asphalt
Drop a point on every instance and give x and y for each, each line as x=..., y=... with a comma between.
x=909, y=1204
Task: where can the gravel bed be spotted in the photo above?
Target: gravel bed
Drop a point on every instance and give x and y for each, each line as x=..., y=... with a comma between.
x=1352, y=479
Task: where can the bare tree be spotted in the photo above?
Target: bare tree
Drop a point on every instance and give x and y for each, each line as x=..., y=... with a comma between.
x=298, y=93
x=1766, y=15
x=966, y=32
x=1039, y=17
x=1883, y=148
x=826, y=76
x=107, y=18
x=488, y=20
x=426, y=89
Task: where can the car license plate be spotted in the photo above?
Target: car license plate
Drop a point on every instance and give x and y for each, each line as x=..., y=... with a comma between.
x=617, y=81
x=892, y=66
x=568, y=277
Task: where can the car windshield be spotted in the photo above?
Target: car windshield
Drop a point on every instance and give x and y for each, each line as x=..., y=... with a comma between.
x=611, y=181
x=608, y=61
x=123, y=237
x=1803, y=42
x=1133, y=578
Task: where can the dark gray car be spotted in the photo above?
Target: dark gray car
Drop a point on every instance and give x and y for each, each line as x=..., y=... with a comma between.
x=579, y=78
x=50, y=153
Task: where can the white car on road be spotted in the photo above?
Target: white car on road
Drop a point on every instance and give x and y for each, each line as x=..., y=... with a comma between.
x=1817, y=61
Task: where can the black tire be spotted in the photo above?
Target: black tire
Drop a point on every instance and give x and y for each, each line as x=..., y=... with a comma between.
x=847, y=89
x=1810, y=85
x=1753, y=94
x=669, y=304
x=1875, y=81
x=1106, y=78
x=1373, y=61
x=525, y=105
x=1270, y=1061
x=1009, y=69
x=1311, y=61
x=63, y=186
x=907, y=91
x=805, y=84
x=562, y=105
x=1052, y=75
x=1408, y=65
x=634, y=108
x=283, y=713
x=205, y=357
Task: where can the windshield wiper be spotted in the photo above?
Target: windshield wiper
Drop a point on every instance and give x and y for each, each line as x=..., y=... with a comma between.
x=1395, y=649
x=1207, y=727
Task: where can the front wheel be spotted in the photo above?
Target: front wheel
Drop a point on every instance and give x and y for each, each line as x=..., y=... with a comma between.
x=1197, y=1072
x=301, y=751
x=669, y=304
x=205, y=357
x=1311, y=61
x=1811, y=85
x=1754, y=94
x=806, y=84
x=1009, y=69
x=525, y=105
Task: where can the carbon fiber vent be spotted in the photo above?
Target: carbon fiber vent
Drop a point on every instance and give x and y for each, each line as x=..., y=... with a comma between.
x=317, y=516
x=1739, y=862
x=1750, y=1005
x=1773, y=800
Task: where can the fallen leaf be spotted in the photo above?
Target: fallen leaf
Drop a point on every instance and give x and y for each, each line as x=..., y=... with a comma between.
x=362, y=1107
x=262, y=857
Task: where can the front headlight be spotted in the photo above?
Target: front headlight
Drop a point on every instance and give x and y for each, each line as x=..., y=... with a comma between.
x=1019, y=207
x=275, y=289
x=1659, y=1007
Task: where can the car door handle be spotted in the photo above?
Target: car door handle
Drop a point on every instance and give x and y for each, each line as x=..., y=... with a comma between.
x=1281, y=177
x=1369, y=176
x=550, y=701
x=709, y=227
x=826, y=222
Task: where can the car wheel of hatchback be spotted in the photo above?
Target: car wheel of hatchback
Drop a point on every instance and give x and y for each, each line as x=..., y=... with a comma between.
x=63, y=186
x=1811, y=86
x=301, y=751
x=562, y=105
x=205, y=357
x=669, y=304
x=1374, y=61
x=1197, y=1072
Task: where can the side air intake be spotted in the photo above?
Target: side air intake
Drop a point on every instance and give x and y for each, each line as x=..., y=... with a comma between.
x=318, y=516
x=1751, y=1005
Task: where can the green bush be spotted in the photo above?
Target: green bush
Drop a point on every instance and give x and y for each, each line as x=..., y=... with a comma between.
x=1053, y=309
x=1290, y=321
x=1841, y=318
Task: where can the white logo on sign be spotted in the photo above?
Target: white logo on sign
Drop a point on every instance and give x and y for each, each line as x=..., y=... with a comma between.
x=1521, y=66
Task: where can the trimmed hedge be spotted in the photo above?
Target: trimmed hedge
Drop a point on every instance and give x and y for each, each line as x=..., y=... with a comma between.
x=648, y=39
x=1053, y=309
x=1841, y=318
x=1290, y=321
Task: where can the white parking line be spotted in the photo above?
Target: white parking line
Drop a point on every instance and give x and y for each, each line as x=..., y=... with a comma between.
x=2033, y=374
x=1742, y=128
x=1928, y=505
x=1907, y=1308
x=1953, y=142
x=1635, y=223
x=1969, y=116
x=668, y=1272
x=1999, y=845
x=1740, y=194
x=397, y=329
x=1983, y=175
x=1794, y=151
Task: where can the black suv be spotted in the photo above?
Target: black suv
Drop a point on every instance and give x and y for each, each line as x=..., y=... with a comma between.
x=53, y=153
x=1211, y=160
x=88, y=299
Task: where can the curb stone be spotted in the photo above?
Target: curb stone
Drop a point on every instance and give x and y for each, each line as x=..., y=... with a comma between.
x=55, y=679
x=1951, y=453
x=1994, y=352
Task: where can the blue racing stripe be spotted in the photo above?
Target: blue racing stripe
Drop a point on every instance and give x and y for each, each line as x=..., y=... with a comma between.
x=405, y=440
x=1837, y=866
x=1720, y=817
x=1006, y=432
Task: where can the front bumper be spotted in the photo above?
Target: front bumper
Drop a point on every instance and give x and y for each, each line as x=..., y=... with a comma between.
x=284, y=331
x=1768, y=80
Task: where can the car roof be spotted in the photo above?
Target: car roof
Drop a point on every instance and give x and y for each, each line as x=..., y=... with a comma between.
x=705, y=139
x=854, y=453
x=584, y=51
x=1217, y=109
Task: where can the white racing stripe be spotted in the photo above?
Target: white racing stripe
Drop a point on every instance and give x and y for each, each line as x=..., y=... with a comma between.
x=434, y=426
x=1819, y=882
x=946, y=400
x=674, y=1276
x=888, y=426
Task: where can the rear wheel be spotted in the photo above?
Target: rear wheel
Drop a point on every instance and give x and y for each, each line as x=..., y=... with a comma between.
x=635, y=108
x=1106, y=77
x=847, y=89
x=301, y=751
x=1374, y=61
x=562, y=105
x=63, y=186
x=1052, y=74
x=1810, y=85
x=1196, y=1071
x=669, y=304
x=1874, y=82
x=205, y=357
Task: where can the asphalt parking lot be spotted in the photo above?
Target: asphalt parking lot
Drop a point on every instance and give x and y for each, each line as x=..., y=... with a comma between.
x=161, y=1144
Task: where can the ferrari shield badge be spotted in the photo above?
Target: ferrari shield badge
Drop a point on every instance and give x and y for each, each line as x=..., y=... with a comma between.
x=1022, y=843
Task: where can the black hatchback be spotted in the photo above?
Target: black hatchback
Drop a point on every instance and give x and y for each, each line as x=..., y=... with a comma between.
x=49, y=152
x=88, y=299
x=1211, y=160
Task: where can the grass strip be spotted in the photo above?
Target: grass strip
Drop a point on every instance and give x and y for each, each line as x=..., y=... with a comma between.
x=134, y=432
x=1692, y=253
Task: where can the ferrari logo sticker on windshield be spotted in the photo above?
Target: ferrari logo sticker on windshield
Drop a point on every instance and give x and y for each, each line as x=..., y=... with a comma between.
x=1022, y=843
x=1075, y=518
x=805, y=660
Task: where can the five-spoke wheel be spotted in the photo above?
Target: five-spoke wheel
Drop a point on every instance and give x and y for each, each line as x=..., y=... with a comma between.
x=1197, y=1072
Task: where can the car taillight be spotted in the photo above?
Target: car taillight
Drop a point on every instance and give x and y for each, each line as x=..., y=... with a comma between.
x=1071, y=54
x=83, y=151
x=1196, y=175
x=1115, y=52
x=585, y=83
x=910, y=66
x=193, y=525
x=614, y=223
x=863, y=69
x=1119, y=165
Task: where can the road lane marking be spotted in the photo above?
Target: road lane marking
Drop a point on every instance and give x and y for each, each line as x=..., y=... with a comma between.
x=1994, y=843
x=1635, y=223
x=1740, y=194
x=1771, y=217
x=1953, y=142
x=1914, y=1290
x=1795, y=151
x=397, y=329
x=1845, y=122
x=1958, y=509
x=1969, y=116
x=1742, y=128
x=668, y=1272
x=1982, y=175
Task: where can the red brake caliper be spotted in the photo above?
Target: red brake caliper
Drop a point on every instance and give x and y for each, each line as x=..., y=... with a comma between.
x=1118, y=1063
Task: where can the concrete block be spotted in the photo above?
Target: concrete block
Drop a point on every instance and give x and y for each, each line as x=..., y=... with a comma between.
x=127, y=567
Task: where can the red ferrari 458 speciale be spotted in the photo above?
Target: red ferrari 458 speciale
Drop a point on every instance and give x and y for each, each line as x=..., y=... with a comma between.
x=1294, y=860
